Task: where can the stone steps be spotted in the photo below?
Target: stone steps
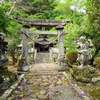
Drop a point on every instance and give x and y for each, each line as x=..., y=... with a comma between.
x=42, y=58
x=44, y=82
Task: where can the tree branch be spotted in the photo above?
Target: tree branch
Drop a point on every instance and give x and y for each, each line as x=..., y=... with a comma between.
x=8, y=13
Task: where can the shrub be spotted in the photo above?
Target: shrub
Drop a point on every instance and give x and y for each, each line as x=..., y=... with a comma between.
x=72, y=56
x=96, y=63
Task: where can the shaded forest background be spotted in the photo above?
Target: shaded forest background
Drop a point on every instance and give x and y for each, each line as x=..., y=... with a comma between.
x=84, y=18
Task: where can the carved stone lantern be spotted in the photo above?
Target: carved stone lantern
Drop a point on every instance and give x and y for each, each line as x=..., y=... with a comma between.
x=3, y=49
x=6, y=77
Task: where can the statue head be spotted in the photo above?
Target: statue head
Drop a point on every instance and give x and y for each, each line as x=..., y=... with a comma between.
x=82, y=39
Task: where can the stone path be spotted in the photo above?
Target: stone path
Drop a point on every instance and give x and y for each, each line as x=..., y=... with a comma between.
x=42, y=57
x=44, y=82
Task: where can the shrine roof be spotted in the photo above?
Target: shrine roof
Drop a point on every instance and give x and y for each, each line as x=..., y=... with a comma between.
x=42, y=40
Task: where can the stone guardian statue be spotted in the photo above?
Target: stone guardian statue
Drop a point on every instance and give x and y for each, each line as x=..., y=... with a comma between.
x=84, y=55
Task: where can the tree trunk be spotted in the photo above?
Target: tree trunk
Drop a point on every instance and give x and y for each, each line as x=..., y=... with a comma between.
x=13, y=58
x=95, y=54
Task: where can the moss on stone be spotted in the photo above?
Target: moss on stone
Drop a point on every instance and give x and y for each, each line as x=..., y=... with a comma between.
x=95, y=93
x=92, y=70
x=79, y=78
x=96, y=63
x=76, y=71
x=36, y=90
x=97, y=83
x=21, y=94
x=72, y=56
x=84, y=75
x=29, y=76
x=86, y=80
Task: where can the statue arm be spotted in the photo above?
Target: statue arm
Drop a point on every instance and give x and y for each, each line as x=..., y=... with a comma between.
x=90, y=43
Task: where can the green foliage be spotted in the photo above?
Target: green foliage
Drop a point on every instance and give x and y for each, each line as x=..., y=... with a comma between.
x=6, y=7
x=7, y=24
x=72, y=56
x=93, y=21
x=13, y=27
x=96, y=62
x=4, y=21
x=84, y=75
x=75, y=25
x=37, y=9
x=95, y=93
x=87, y=24
x=93, y=9
x=71, y=36
x=63, y=11
x=13, y=46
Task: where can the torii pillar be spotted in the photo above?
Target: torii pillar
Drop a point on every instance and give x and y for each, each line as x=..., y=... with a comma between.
x=61, y=56
x=23, y=62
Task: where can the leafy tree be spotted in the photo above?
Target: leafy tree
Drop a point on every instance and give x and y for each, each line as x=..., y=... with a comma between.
x=36, y=9
x=13, y=47
x=93, y=23
x=8, y=25
x=14, y=40
x=4, y=21
x=87, y=24
x=74, y=26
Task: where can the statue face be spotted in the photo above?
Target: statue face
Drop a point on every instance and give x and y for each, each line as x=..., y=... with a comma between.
x=82, y=39
x=83, y=46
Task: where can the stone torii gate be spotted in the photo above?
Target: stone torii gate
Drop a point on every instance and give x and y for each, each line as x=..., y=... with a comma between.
x=58, y=24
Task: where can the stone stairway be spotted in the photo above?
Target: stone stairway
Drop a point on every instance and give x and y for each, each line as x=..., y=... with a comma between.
x=44, y=82
x=42, y=58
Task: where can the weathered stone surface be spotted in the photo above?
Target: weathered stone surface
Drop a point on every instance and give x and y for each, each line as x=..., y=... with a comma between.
x=46, y=84
x=86, y=98
x=28, y=92
x=40, y=22
x=95, y=79
x=59, y=82
x=42, y=97
x=43, y=92
x=85, y=75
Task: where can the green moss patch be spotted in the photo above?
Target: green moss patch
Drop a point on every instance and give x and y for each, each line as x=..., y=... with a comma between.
x=95, y=93
x=36, y=90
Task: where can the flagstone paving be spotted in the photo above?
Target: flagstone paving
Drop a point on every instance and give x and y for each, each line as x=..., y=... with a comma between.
x=44, y=82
